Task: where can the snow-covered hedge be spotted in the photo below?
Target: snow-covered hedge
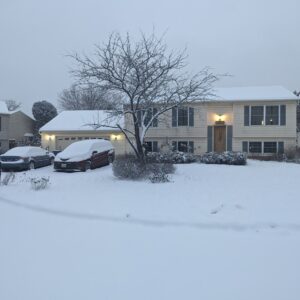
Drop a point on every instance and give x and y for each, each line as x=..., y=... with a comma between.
x=128, y=167
x=227, y=158
x=174, y=157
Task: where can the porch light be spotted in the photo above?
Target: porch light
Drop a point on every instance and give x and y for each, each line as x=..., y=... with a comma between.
x=115, y=137
x=221, y=117
x=50, y=137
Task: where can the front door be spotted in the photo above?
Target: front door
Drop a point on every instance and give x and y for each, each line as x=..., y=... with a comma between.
x=220, y=138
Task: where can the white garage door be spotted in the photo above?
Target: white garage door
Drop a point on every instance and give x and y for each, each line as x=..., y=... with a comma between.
x=64, y=141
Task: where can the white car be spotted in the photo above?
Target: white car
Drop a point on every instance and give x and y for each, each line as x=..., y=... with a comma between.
x=25, y=158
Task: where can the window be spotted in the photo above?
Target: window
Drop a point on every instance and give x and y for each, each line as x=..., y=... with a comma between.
x=263, y=147
x=66, y=139
x=270, y=147
x=257, y=115
x=0, y=124
x=183, y=146
x=151, y=146
x=73, y=138
x=148, y=117
x=182, y=116
x=265, y=115
x=272, y=115
x=255, y=147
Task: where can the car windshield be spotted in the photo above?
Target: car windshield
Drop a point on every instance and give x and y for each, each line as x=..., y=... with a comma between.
x=77, y=148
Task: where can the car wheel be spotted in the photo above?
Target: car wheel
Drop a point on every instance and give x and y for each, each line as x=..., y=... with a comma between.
x=31, y=165
x=87, y=166
x=110, y=159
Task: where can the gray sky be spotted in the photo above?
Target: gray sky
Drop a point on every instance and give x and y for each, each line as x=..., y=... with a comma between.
x=257, y=41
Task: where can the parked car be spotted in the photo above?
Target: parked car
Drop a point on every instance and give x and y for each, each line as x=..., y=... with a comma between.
x=84, y=155
x=25, y=158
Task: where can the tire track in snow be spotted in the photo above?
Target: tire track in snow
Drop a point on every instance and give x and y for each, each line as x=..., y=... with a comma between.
x=151, y=223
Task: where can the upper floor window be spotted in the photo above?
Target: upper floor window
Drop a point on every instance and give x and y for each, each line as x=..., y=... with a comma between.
x=265, y=115
x=182, y=116
x=257, y=115
x=272, y=115
x=147, y=115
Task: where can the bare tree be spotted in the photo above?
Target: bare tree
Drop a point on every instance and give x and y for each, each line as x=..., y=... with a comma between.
x=146, y=75
x=88, y=97
x=12, y=104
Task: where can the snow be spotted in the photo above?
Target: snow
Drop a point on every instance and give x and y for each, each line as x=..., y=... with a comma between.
x=254, y=93
x=83, y=120
x=214, y=232
x=84, y=149
x=25, y=151
x=3, y=108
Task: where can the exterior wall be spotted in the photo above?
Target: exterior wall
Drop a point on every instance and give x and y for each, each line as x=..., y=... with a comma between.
x=232, y=113
x=4, y=133
x=60, y=140
x=19, y=124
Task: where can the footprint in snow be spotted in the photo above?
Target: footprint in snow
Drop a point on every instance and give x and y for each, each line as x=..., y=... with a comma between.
x=217, y=209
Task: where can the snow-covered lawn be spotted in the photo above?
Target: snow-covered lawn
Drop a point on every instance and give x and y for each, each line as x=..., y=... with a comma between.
x=214, y=232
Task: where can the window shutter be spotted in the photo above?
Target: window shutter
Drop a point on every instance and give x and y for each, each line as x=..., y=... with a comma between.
x=280, y=147
x=155, y=121
x=154, y=146
x=282, y=115
x=246, y=115
x=209, y=138
x=174, y=146
x=174, y=117
x=191, y=147
x=245, y=147
x=229, y=138
x=191, y=116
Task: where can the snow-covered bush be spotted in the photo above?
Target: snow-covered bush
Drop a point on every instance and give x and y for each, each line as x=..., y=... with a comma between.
x=159, y=177
x=228, y=158
x=173, y=157
x=128, y=167
x=8, y=178
x=39, y=183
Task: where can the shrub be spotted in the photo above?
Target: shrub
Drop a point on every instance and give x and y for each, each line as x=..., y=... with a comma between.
x=39, y=183
x=8, y=178
x=128, y=167
x=172, y=157
x=292, y=153
x=228, y=158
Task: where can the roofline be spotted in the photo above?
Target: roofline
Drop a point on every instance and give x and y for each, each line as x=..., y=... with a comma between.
x=83, y=131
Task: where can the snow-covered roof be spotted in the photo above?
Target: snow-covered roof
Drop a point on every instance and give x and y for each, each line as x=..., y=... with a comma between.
x=83, y=120
x=254, y=93
x=3, y=108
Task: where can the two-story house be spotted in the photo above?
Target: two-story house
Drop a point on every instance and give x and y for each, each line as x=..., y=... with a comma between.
x=16, y=128
x=256, y=120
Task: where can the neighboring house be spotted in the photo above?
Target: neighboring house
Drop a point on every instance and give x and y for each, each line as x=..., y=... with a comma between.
x=77, y=125
x=16, y=128
x=256, y=120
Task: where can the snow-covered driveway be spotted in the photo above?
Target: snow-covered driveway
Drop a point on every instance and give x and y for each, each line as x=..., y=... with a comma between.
x=215, y=232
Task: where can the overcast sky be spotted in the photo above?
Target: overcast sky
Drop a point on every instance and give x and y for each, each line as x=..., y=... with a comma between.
x=257, y=41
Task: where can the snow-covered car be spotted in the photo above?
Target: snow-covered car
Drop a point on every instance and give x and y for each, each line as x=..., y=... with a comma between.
x=84, y=155
x=25, y=158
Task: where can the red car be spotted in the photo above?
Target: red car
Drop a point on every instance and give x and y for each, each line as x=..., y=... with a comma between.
x=84, y=155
